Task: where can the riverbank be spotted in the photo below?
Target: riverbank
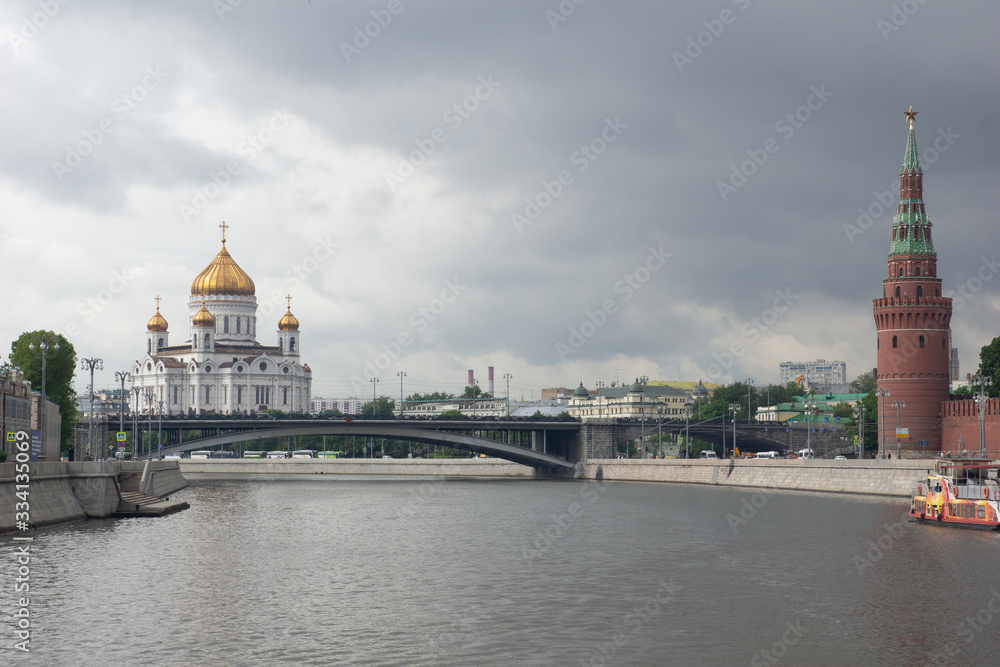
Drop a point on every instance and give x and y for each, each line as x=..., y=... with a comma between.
x=39, y=494
x=866, y=476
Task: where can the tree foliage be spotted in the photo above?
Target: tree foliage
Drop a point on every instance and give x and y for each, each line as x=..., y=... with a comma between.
x=436, y=396
x=60, y=367
x=741, y=393
x=989, y=366
x=383, y=408
x=474, y=392
x=863, y=384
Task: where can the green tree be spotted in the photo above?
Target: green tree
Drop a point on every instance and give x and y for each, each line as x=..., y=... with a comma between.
x=436, y=396
x=60, y=367
x=962, y=391
x=989, y=366
x=474, y=392
x=383, y=408
x=863, y=384
x=870, y=402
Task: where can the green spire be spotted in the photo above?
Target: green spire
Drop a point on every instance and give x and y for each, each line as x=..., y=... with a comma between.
x=911, y=228
x=911, y=161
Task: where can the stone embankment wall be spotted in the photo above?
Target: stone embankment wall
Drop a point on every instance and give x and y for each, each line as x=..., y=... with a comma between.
x=64, y=491
x=303, y=468
x=870, y=477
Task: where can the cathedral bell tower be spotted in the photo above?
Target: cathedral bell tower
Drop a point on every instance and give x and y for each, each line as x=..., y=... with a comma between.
x=912, y=320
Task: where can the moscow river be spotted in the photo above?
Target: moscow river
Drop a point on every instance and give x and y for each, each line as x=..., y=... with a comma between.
x=381, y=572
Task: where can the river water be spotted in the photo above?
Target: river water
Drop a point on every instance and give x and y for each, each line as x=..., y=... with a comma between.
x=381, y=572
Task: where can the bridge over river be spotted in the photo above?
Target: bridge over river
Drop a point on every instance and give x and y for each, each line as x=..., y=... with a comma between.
x=543, y=444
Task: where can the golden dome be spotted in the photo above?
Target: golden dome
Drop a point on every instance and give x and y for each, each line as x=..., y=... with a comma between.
x=203, y=318
x=223, y=276
x=288, y=322
x=156, y=322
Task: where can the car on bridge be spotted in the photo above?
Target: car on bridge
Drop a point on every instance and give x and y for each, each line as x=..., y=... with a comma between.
x=708, y=454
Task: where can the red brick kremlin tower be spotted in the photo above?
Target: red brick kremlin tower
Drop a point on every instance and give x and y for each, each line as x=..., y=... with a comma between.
x=912, y=319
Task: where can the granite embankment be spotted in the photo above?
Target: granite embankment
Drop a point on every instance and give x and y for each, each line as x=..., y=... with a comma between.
x=308, y=468
x=887, y=478
x=867, y=476
x=56, y=491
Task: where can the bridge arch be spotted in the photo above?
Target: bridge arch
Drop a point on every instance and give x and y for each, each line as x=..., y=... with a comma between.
x=360, y=428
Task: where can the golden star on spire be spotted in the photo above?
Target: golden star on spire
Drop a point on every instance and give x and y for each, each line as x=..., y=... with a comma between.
x=911, y=115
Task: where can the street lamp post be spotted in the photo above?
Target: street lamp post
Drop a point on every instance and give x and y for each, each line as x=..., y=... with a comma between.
x=91, y=364
x=859, y=410
x=401, y=375
x=149, y=392
x=750, y=384
x=43, y=345
x=507, y=377
x=159, y=427
x=135, y=422
x=898, y=405
x=983, y=381
x=884, y=394
x=687, y=432
x=810, y=405
x=121, y=376
x=734, y=407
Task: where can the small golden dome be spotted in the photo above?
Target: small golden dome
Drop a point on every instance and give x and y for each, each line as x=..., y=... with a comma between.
x=157, y=322
x=203, y=318
x=223, y=276
x=289, y=322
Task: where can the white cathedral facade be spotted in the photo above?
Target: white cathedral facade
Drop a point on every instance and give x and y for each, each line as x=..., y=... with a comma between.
x=221, y=368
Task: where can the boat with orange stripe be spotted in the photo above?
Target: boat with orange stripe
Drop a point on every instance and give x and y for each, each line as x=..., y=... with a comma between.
x=962, y=493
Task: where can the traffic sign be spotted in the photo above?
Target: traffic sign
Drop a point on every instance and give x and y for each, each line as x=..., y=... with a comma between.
x=121, y=436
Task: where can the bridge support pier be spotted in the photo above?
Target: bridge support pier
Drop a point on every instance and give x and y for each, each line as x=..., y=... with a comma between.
x=595, y=441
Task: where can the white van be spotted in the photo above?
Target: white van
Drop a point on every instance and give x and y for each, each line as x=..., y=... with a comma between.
x=204, y=454
x=708, y=454
x=766, y=455
x=806, y=454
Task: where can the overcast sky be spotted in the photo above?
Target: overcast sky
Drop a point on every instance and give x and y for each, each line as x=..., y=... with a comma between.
x=574, y=191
